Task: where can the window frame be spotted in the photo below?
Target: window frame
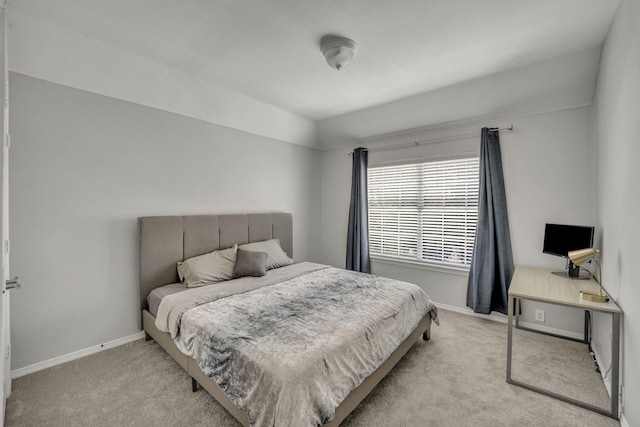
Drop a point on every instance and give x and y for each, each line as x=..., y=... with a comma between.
x=437, y=266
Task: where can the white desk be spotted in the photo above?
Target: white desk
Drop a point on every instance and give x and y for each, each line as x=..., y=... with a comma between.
x=539, y=284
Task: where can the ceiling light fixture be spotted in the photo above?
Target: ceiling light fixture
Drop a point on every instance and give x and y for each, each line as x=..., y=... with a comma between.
x=338, y=51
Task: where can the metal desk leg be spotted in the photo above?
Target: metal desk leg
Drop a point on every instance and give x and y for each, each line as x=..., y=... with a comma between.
x=615, y=372
x=587, y=329
x=512, y=308
x=615, y=360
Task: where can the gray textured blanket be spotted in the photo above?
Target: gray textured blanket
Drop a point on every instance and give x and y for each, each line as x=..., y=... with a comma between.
x=289, y=353
x=173, y=306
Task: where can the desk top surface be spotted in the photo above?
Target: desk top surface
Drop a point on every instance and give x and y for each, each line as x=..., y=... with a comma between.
x=540, y=284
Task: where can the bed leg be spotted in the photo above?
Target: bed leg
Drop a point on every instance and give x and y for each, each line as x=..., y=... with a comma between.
x=147, y=337
x=426, y=335
x=194, y=385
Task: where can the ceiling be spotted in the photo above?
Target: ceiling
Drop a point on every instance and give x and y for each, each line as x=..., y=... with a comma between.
x=269, y=49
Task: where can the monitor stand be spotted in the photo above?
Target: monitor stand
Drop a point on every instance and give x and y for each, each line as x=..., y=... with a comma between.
x=572, y=272
x=566, y=275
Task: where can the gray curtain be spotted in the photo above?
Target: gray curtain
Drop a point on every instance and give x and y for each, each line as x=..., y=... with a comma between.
x=492, y=261
x=358, y=232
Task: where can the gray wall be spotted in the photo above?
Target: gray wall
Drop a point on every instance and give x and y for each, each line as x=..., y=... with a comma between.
x=547, y=165
x=85, y=166
x=617, y=136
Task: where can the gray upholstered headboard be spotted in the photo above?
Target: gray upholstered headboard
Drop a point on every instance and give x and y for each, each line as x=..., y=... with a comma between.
x=166, y=240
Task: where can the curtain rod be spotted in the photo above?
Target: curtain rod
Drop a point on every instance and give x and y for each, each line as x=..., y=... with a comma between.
x=426, y=141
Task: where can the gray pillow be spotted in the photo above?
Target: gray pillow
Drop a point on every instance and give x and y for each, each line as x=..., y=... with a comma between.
x=250, y=263
x=208, y=268
x=276, y=257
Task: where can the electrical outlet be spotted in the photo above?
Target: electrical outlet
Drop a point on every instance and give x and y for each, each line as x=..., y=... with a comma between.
x=540, y=315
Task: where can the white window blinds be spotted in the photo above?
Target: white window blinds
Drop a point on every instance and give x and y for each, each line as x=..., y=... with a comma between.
x=426, y=212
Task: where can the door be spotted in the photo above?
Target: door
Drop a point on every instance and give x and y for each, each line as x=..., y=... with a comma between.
x=5, y=336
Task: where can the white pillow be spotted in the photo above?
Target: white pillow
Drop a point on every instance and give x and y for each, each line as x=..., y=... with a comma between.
x=208, y=268
x=276, y=257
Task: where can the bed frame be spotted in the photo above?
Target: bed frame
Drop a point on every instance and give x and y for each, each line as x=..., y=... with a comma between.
x=166, y=240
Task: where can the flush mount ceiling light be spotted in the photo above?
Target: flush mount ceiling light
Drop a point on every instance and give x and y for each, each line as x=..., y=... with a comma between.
x=338, y=51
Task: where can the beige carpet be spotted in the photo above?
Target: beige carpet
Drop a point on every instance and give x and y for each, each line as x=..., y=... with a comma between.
x=455, y=379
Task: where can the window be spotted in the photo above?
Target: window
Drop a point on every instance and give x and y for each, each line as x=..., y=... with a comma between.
x=425, y=212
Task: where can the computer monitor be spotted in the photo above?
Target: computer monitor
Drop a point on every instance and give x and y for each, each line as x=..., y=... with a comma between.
x=559, y=239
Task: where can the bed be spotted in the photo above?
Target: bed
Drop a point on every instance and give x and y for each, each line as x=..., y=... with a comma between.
x=167, y=240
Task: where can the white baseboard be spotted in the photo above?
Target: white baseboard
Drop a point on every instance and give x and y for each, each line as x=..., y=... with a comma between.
x=503, y=319
x=603, y=370
x=75, y=355
x=624, y=422
x=495, y=317
x=555, y=331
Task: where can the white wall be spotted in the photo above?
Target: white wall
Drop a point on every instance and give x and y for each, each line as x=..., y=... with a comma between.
x=44, y=50
x=547, y=160
x=617, y=136
x=85, y=166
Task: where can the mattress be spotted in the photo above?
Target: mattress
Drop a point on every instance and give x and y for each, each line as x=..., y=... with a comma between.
x=154, y=298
